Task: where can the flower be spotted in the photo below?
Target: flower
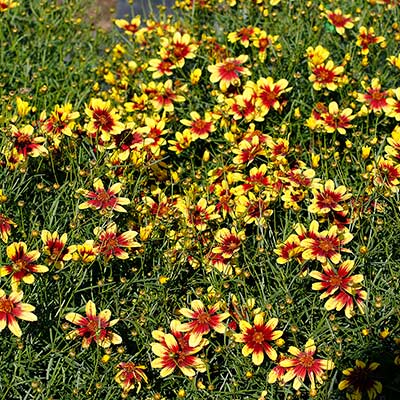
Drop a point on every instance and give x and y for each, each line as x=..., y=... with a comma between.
x=339, y=21
x=227, y=72
x=229, y=241
x=94, y=327
x=394, y=105
x=326, y=76
x=257, y=338
x=85, y=252
x=104, y=200
x=341, y=287
x=367, y=37
x=197, y=216
x=327, y=198
x=303, y=363
x=109, y=243
x=335, y=120
x=11, y=308
x=375, y=99
x=5, y=227
x=325, y=245
x=129, y=27
x=173, y=350
x=360, y=380
x=55, y=249
x=200, y=128
x=25, y=143
x=130, y=375
x=104, y=120
x=7, y=5
x=203, y=321
x=23, y=264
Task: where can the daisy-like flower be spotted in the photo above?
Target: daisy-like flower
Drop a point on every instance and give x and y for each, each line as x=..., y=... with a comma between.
x=325, y=245
x=394, y=60
x=366, y=37
x=166, y=95
x=248, y=150
x=160, y=68
x=342, y=288
x=173, y=351
x=55, y=248
x=131, y=27
x=130, y=375
x=339, y=21
x=199, y=215
x=229, y=241
x=102, y=199
x=200, y=128
x=262, y=41
x=228, y=72
x=304, y=364
x=392, y=150
x=104, y=120
x=179, y=49
x=257, y=338
x=327, y=198
x=5, y=227
x=203, y=321
x=25, y=143
x=23, y=264
x=243, y=35
x=93, y=327
x=375, y=99
x=85, y=252
x=316, y=56
x=288, y=250
x=12, y=308
x=326, y=76
x=335, y=120
x=360, y=380
x=109, y=243
x=253, y=209
x=268, y=94
x=387, y=173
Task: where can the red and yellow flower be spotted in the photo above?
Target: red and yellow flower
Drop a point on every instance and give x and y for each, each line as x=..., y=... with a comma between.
x=23, y=264
x=174, y=351
x=342, y=288
x=203, y=321
x=366, y=37
x=339, y=21
x=55, y=248
x=11, y=309
x=5, y=227
x=102, y=199
x=375, y=99
x=257, y=338
x=228, y=72
x=229, y=241
x=200, y=128
x=303, y=365
x=130, y=375
x=327, y=76
x=93, y=327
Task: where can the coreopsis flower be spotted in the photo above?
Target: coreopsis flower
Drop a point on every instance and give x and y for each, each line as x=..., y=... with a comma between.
x=5, y=227
x=243, y=35
x=203, y=321
x=23, y=264
x=268, y=94
x=197, y=216
x=342, y=288
x=387, y=173
x=394, y=105
x=23, y=107
x=325, y=245
x=253, y=209
x=316, y=56
x=225, y=194
x=85, y=252
x=244, y=106
x=335, y=120
x=327, y=198
x=392, y=150
x=257, y=338
x=288, y=250
x=61, y=122
x=174, y=351
x=200, y=128
x=179, y=49
x=339, y=21
x=182, y=141
x=262, y=41
x=166, y=95
x=228, y=72
x=11, y=309
x=327, y=76
x=102, y=199
x=229, y=241
x=130, y=375
x=247, y=151
x=55, y=248
x=360, y=380
x=110, y=243
x=93, y=327
x=160, y=68
x=375, y=99
x=366, y=37
x=104, y=120
x=303, y=364
x=131, y=27
x=6, y=5
x=395, y=61
x=25, y=143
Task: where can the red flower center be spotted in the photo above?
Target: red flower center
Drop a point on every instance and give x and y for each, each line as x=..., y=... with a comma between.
x=326, y=245
x=19, y=265
x=306, y=360
x=6, y=306
x=103, y=119
x=102, y=196
x=230, y=66
x=258, y=337
x=335, y=280
x=203, y=318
